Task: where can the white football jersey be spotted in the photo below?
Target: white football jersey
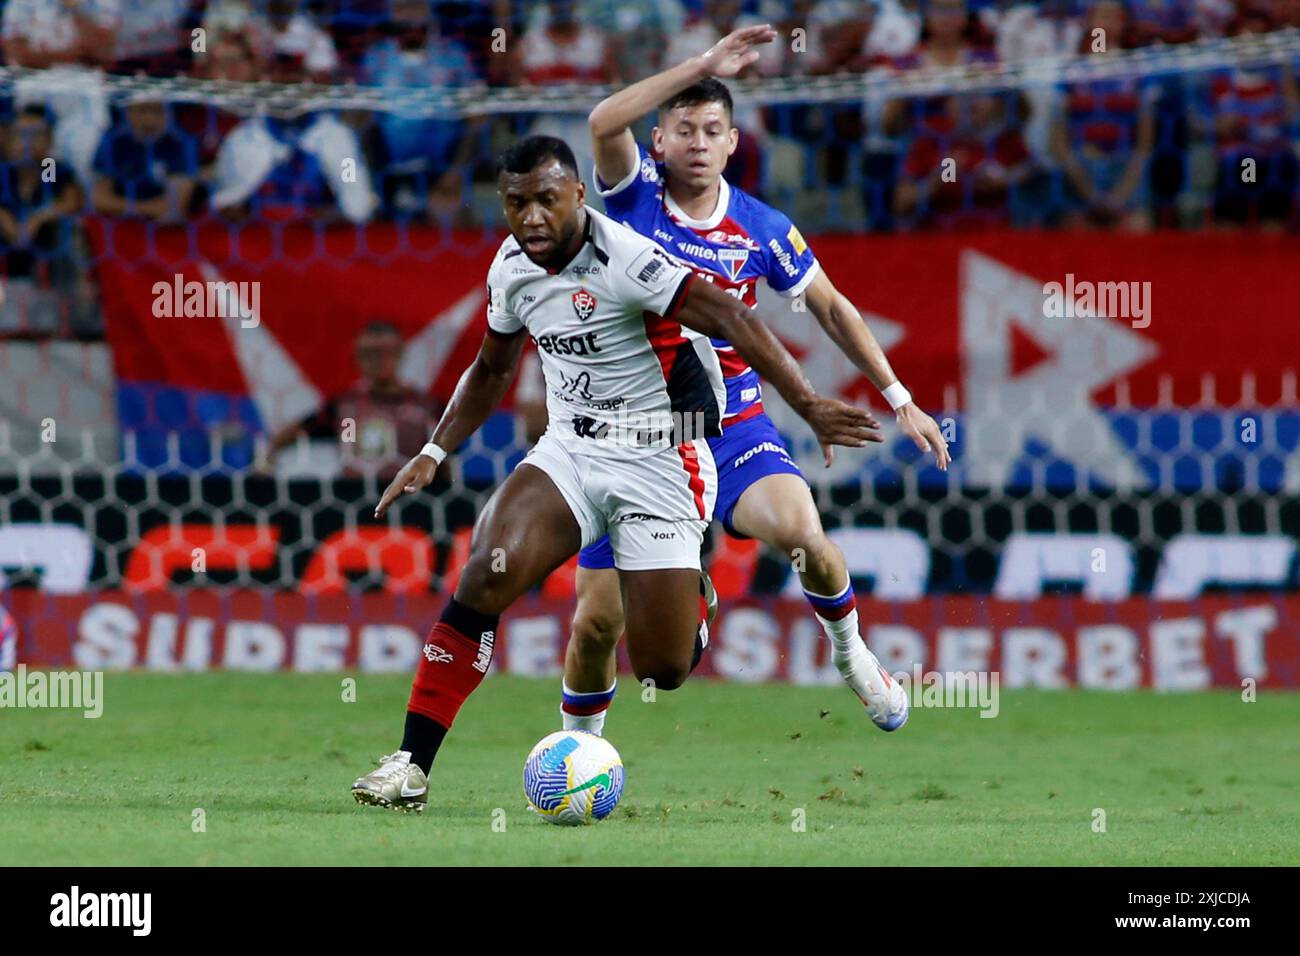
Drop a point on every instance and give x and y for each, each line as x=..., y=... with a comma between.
x=620, y=373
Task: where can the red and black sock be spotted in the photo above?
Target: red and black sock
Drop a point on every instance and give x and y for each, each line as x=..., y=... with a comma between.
x=452, y=663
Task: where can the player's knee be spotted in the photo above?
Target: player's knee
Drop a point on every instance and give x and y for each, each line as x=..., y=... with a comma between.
x=483, y=587
x=809, y=543
x=595, y=630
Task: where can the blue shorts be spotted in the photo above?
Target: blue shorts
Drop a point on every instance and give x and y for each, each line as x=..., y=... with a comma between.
x=744, y=453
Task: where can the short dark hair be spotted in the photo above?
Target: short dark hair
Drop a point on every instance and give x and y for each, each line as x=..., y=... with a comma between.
x=707, y=90
x=531, y=151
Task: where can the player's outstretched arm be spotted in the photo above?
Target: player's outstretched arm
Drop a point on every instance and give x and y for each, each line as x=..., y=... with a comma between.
x=712, y=312
x=611, y=138
x=478, y=393
x=850, y=333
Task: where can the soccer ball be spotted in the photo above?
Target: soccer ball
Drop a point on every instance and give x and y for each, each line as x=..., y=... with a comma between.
x=573, y=777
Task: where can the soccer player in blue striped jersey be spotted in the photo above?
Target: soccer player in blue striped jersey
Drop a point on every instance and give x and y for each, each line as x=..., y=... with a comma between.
x=732, y=240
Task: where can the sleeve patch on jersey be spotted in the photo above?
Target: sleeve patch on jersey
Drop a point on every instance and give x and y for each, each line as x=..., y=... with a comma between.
x=650, y=270
x=796, y=241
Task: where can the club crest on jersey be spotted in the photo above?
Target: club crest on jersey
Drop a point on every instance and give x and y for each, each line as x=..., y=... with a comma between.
x=584, y=303
x=733, y=260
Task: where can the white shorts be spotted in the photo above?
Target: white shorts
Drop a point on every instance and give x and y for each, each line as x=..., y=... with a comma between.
x=654, y=509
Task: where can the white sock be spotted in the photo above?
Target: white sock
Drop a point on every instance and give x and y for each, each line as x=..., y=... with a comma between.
x=853, y=659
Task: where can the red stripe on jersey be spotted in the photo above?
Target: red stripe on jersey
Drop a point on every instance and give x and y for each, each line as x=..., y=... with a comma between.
x=744, y=415
x=691, y=461
x=732, y=362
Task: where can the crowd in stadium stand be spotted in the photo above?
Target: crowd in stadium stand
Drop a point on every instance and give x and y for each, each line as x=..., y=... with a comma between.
x=1136, y=153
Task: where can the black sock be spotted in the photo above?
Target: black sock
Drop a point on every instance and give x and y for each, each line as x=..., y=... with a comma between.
x=422, y=739
x=699, y=650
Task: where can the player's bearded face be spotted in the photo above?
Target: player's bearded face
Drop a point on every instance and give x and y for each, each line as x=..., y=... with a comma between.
x=696, y=142
x=541, y=209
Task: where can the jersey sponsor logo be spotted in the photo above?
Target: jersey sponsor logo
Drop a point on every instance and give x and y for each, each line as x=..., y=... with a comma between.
x=568, y=344
x=663, y=236
x=584, y=304
x=784, y=258
x=436, y=655
x=651, y=268
x=733, y=260
x=663, y=535
x=585, y=270
x=736, y=291
x=697, y=250
x=796, y=241
x=748, y=394
x=485, y=642
x=721, y=237
x=648, y=171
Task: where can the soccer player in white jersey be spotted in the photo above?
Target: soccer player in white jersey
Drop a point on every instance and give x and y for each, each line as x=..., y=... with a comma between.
x=634, y=388
x=732, y=240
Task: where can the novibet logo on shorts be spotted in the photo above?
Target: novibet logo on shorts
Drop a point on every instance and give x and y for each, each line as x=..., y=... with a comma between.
x=56, y=690
x=974, y=689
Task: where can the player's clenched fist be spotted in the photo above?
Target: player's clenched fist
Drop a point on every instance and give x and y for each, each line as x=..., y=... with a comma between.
x=839, y=423
x=415, y=474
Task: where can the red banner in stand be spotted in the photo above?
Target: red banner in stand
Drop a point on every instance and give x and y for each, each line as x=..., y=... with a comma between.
x=1228, y=296
x=1054, y=642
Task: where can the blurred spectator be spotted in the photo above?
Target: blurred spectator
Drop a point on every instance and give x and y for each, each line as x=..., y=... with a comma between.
x=989, y=159
x=299, y=168
x=310, y=166
x=423, y=161
x=379, y=421
x=1163, y=21
x=230, y=56
x=144, y=167
x=1286, y=13
x=44, y=249
x=1104, y=134
x=152, y=37
x=1035, y=32
x=636, y=33
x=1252, y=111
x=70, y=41
x=294, y=33
x=559, y=48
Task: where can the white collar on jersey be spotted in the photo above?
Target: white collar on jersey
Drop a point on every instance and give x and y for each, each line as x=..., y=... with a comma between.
x=715, y=217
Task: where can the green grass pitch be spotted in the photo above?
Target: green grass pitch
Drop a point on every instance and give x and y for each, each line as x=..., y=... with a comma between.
x=717, y=774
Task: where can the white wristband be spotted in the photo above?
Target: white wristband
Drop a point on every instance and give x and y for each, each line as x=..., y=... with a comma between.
x=434, y=451
x=897, y=395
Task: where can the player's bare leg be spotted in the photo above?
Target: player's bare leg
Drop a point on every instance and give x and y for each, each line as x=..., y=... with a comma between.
x=779, y=511
x=525, y=532
x=590, y=661
x=664, y=612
